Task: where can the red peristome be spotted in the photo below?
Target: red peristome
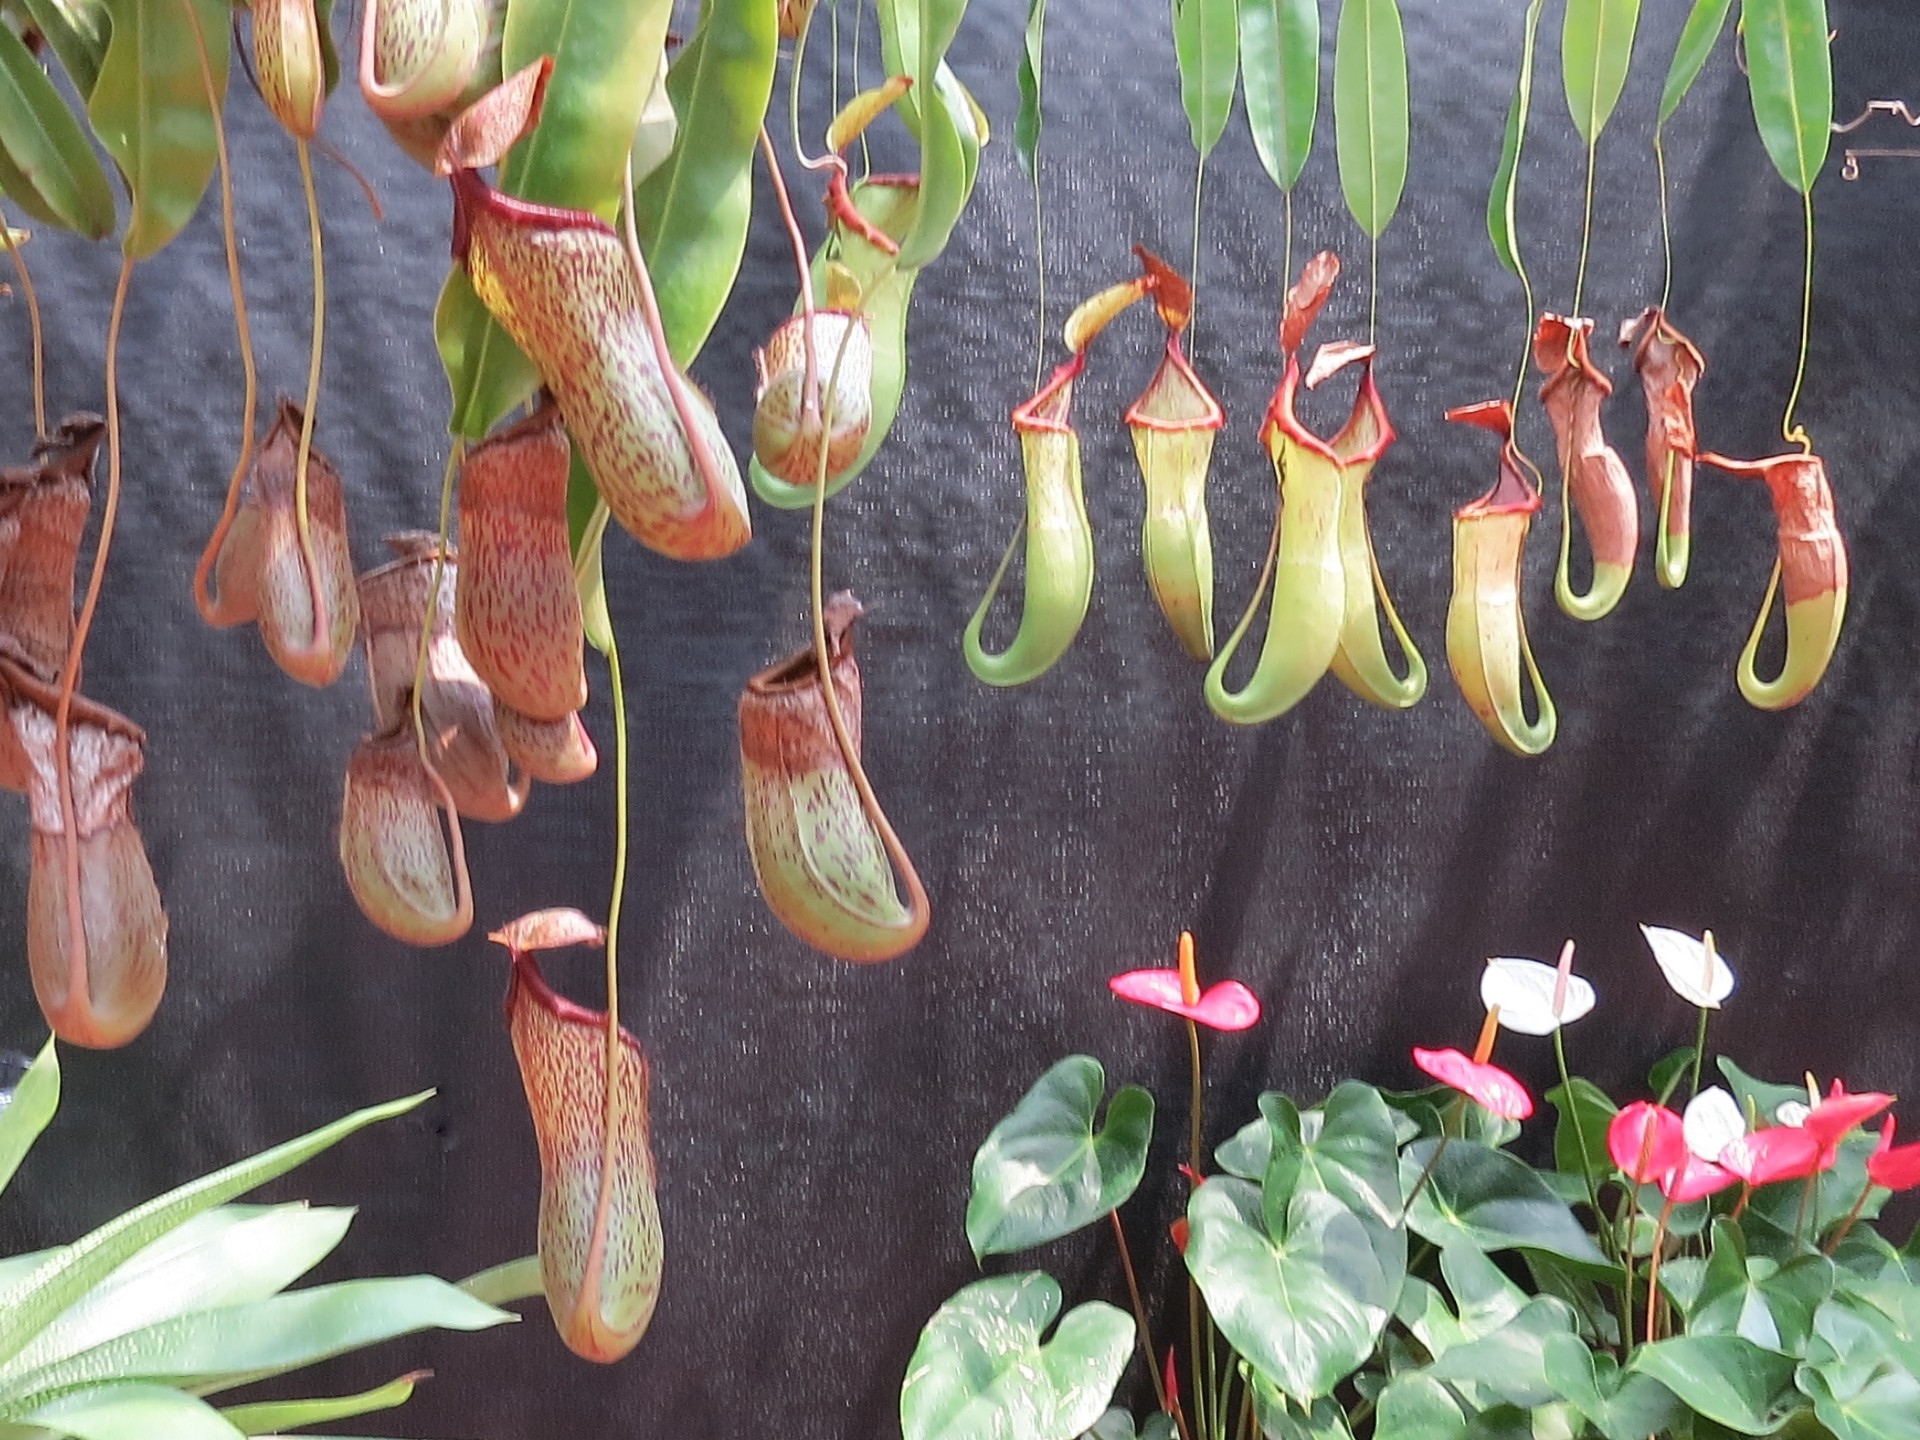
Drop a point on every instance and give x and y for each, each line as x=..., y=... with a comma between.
x=1048, y=408
x=1176, y=380
x=1813, y=555
x=549, y=930
x=1572, y=395
x=1512, y=492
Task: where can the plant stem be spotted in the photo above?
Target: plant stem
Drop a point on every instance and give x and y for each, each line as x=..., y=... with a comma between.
x=1193, y=277
x=1859, y=1204
x=1579, y=1127
x=1373, y=292
x=318, y=639
x=33, y=321
x=1794, y=434
x=1653, y=1267
x=617, y=898
x=1426, y=1174
x=1196, y=1307
x=1625, y=1242
x=1808, y=1189
x=1140, y=1315
x=1700, y=1034
x=1666, y=225
x=1040, y=267
x=1586, y=232
x=1286, y=274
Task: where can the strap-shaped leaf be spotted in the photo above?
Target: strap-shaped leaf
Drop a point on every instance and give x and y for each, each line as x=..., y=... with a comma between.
x=27, y=1307
x=503, y=1284
x=47, y=165
x=692, y=212
x=1280, y=60
x=1026, y=125
x=77, y=31
x=1045, y=1171
x=276, y=1415
x=1502, y=218
x=981, y=1373
x=914, y=35
x=132, y=1412
x=1790, y=75
x=1596, y=44
x=149, y=108
x=34, y=1101
x=1370, y=118
x=1206, y=43
x=1704, y=23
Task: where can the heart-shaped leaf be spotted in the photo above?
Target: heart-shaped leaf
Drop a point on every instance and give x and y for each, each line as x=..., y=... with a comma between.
x=1729, y=1380
x=1757, y=1298
x=1580, y=1137
x=1621, y=1406
x=1510, y=1363
x=1490, y=1200
x=1045, y=1171
x=1415, y=1406
x=1353, y=1154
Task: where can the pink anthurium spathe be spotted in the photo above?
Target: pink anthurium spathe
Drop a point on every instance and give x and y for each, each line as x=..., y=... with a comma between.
x=1694, y=1179
x=1831, y=1118
x=1646, y=1141
x=1487, y=1085
x=1784, y=1152
x=1894, y=1167
x=1228, y=1005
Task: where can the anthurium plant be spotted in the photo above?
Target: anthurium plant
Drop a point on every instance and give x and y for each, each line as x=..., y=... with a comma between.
x=1696, y=1259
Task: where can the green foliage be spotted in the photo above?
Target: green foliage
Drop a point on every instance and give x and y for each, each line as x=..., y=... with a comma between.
x=1370, y=114
x=77, y=31
x=1596, y=45
x=47, y=164
x=1790, y=77
x=1026, y=125
x=1206, y=47
x=1704, y=23
x=1502, y=221
x=1280, y=60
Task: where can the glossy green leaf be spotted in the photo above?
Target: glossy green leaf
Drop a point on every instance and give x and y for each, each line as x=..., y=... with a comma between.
x=1415, y=1406
x=1370, y=116
x=1503, y=226
x=1303, y=1307
x=1493, y=1201
x=914, y=35
x=692, y=213
x=28, y=1306
x=149, y=107
x=1621, y=1406
x=1666, y=1073
x=604, y=58
x=981, y=1372
x=77, y=31
x=1246, y=1151
x=1760, y=1099
x=1729, y=1380
x=1594, y=1112
x=47, y=164
x=1757, y=1298
x=132, y=1412
x=1832, y=1196
x=1206, y=45
x=1882, y=1403
x=276, y=1415
x=1482, y=1294
x=1510, y=1362
x=1348, y=1149
x=1790, y=76
x=1280, y=1419
x=1280, y=63
x=1697, y=38
x=1026, y=125
x=26, y=1114
x=1596, y=45
x=1046, y=1171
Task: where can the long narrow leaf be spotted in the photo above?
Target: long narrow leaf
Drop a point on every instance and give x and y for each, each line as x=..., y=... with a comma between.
x=914, y=35
x=27, y=1307
x=34, y=1100
x=1026, y=125
x=272, y=1415
x=1206, y=43
x=1503, y=226
x=132, y=1412
x=1704, y=24
x=1596, y=44
x=1370, y=118
x=1280, y=60
x=1790, y=74
x=149, y=107
x=77, y=31
x=503, y=1284
x=47, y=164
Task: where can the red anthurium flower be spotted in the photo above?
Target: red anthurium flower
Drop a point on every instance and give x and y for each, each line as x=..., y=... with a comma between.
x=1646, y=1141
x=1694, y=1179
x=1178, y=1230
x=1489, y=1085
x=1834, y=1116
x=1785, y=1152
x=1894, y=1167
x=1226, y=1006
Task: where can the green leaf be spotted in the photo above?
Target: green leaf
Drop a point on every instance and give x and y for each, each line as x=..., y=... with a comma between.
x=1280, y=61
x=1758, y=1298
x=1370, y=118
x=503, y=1284
x=1045, y=1171
x=1026, y=125
x=1304, y=1307
x=1246, y=1151
x=1595, y=1112
x=149, y=107
x=1596, y=44
x=132, y=1412
x=1621, y=1406
x=914, y=35
x=1790, y=76
x=77, y=30
x=1424, y=1311
x=980, y=1371
x=24, y=1116
x=276, y=1415
x=1510, y=1362
x=1491, y=1200
x=1761, y=1098
x=1415, y=1406
x=1352, y=1155
x=1280, y=1419
x=47, y=165
x=1485, y=1297
x=1879, y=1404
x=1833, y=1193
x=1729, y=1380
x=28, y=1306
x=1702, y=31
x=1666, y=1073
x=1206, y=45
x=692, y=213
x=1502, y=221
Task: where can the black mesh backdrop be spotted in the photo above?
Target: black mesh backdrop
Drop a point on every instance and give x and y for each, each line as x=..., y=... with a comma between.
x=813, y=1120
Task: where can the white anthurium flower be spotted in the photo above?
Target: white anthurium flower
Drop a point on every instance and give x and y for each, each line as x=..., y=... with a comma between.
x=1711, y=1123
x=1694, y=968
x=1791, y=1112
x=1534, y=999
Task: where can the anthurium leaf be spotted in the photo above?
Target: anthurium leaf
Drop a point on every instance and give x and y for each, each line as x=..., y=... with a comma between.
x=1757, y=1298
x=237, y=1344
x=1599, y=1320
x=228, y=1256
x=1502, y=217
x=1790, y=77
x=1890, y=1308
x=1882, y=1403
x=1046, y=1170
x=29, y=1305
x=24, y=1116
x=503, y=1284
x=1490, y=1200
x=1280, y=1419
x=1370, y=116
x=981, y=1372
x=149, y=107
x=1206, y=45
x=1280, y=63
x=77, y=31
x=132, y=1412
x=1428, y=1318
x=1831, y=1196
x=1729, y=1380
x=275, y=1415
x=1485, y=1297
x=1596, y=44
x=1026, y=125
x=1352, y=1153
x=1415, y=1406
x=1115, y=1424
x=692, y=213
x=1510, y=1362
x=47, y=164
x=1620, y=1406
x=1697, y=38
x=1585, y=1113
x=1303, y=1307
x=1246, y=1151
x=1761, y=1098
x=1666, y=1073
